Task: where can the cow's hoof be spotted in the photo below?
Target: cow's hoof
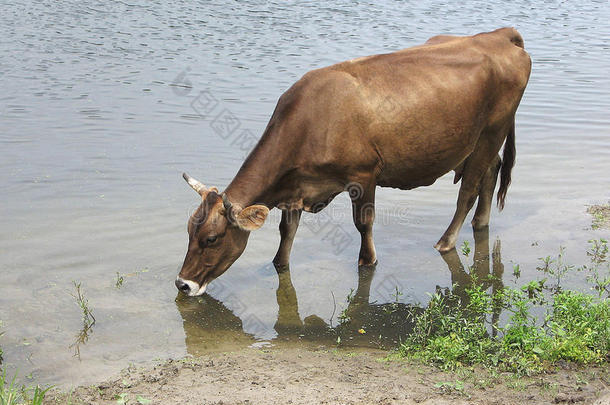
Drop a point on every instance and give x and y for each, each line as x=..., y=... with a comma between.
x=444, y=246
x=367, y=260
x=363, y=265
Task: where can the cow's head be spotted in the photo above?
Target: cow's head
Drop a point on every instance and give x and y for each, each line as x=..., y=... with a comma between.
x=218, y=233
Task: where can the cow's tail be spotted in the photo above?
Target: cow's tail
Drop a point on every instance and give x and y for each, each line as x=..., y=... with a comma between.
x=508, y=161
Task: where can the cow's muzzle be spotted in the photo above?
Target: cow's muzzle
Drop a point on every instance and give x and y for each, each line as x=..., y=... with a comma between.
x=189, y=287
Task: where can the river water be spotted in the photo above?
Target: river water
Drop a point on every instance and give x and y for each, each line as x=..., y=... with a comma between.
x=104, y=104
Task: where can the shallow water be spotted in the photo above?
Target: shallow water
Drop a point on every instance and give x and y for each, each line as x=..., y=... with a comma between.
x=104, y=105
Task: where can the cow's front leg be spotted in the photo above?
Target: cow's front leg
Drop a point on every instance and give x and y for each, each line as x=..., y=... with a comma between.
x=363, y=211
x=288, y=228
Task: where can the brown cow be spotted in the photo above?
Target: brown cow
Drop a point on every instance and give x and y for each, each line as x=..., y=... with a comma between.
x=398, y=120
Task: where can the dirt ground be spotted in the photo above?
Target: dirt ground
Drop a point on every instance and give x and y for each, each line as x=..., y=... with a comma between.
x=299, y=376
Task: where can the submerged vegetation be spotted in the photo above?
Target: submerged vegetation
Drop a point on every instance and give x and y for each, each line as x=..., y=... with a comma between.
x=87, y=318
x=546, y=323
x=601, y=216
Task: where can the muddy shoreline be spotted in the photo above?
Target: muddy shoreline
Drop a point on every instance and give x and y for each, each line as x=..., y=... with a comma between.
x=331, y=376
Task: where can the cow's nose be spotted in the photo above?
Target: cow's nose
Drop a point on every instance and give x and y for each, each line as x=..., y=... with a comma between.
x=182, y=286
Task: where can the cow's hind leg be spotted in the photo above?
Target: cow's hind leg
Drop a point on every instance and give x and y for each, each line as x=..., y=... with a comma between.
x=288, y=228
x=477, y=165
x=363, y=210
x=486, y=191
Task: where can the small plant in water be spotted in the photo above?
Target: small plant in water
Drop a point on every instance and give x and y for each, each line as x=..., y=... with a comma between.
x=343, y=316
x=555, y=268
x=396, y=294
x=119, y=280
x=466, y=248
x=516, y=270
x=599, y=269
x=83, y=303
x=87, y=317
x=393, y=307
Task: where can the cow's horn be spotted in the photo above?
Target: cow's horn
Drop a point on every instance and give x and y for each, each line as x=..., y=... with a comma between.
x=225, y=201
x=198, y=186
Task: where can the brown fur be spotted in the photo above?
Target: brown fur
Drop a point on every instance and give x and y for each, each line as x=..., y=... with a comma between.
x=398, y=120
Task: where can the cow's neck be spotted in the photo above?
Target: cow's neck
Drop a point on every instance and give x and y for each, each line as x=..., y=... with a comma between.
x=256, y=180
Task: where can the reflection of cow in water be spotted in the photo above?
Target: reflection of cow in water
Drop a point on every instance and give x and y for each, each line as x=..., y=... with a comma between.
x=362, y=323
x=461, y=279
x=210, y=326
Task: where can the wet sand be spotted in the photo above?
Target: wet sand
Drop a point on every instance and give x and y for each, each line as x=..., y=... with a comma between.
x=277, y=376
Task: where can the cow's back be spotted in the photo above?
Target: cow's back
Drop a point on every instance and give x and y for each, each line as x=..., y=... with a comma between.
x=418, y=106
x=409, y=116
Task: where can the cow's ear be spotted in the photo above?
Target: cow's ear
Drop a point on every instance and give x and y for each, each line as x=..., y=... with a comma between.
x=251, y=218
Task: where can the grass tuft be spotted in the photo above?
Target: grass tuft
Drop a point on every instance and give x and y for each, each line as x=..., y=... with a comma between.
x=455, y=331
x=13, y=394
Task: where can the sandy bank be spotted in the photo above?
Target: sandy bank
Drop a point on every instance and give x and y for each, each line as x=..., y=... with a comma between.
x=276, y=376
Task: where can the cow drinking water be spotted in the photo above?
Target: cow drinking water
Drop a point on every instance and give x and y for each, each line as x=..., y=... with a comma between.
x=398, y=120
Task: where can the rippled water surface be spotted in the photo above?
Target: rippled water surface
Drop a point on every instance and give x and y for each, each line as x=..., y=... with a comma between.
x=104, y=104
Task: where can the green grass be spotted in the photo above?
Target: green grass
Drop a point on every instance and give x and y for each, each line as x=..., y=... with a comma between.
x=13, y=394
x=455, y=331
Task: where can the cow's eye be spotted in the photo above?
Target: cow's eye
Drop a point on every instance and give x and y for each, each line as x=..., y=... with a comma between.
x=211, y=240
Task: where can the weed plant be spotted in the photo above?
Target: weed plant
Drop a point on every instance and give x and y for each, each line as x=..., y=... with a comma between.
x=454, y=330
x=87, y=317
x=13, y=394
